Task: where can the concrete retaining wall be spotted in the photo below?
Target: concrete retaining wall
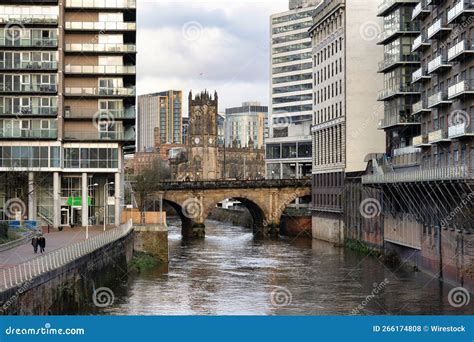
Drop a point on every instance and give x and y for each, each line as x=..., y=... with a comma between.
x=328, y=228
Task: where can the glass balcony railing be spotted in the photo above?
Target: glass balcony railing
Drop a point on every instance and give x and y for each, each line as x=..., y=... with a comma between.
x=98, y=136
x=28, y=42
x=460, y=88
x=460, y=9
x=128, y=113
x=438, y=27
x=13, y=65
x=437, y=136
x=421, y=140
x=437, y=99
x=29, y=134
x=28, y=19
x=100, y=69
x=420, y=74
x=400, y=28
x=392, y=61
x=437, y=63
x=420, y=41
x=28, y=88
x=101, y=47
x=460, y=49
x=101, y=26
x=101, y=4
x=419, y=107
x=386, y=5
x=399, y=120
x=26, y=111
x=78, y=91
x=421, y=10
x=461, y=130
x=401, y=90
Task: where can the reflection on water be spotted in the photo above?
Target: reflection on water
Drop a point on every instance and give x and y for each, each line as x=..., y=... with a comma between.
x=230, y=273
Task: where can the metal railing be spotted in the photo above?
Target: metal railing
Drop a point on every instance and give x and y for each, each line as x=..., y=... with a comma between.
x=28, y=88
x=126, y=113
x=29, y=42
x=119, y=91
x=94, y=25
x=100, y=69
x=16, y=275
x=421, y=175
x=39, y=65
x=28, y=19
x=40, y=111
x=101, y=3
x=51, y=133
x=462, y=47
x=460, y=88
x=93, y=136
x=106, y=47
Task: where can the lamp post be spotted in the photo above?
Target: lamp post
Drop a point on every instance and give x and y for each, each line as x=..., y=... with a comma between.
x=106, y=192
x=87, y=223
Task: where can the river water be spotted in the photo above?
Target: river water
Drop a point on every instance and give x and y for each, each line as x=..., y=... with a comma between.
x=231, y=273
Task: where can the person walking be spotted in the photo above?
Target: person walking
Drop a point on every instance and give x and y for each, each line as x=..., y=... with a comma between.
x=42, y=243
x=34, y=243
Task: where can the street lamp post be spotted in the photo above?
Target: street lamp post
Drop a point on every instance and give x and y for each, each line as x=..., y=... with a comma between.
x=87, y=223
x=106, y=190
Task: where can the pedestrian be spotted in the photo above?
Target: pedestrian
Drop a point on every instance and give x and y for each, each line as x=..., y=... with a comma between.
x=34, y=243
x=42, y=243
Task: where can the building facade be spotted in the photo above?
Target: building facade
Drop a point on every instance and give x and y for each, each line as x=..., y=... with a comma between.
x=161, y=110
x=67, y=99
x=245, y=126
x=344, y=130
x=288, y=148
x=426, y=175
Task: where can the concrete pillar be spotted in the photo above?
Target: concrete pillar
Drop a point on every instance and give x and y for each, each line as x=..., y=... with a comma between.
x=31, y=196
x=117, y=183
x=85, y=205
x=56, y=203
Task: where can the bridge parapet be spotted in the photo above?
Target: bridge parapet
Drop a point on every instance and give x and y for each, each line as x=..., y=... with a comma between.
x=236, y=184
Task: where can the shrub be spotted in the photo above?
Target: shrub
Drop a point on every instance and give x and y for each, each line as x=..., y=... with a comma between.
x=4, y=230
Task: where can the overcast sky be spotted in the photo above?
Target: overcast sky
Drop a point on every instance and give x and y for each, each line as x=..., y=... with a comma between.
x=219, y=45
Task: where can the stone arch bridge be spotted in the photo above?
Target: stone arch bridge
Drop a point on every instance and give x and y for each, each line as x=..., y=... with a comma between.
x=265, y=199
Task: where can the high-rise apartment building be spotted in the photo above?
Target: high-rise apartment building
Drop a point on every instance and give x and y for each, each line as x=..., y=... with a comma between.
x=288, y=148
x=245, y=125
x=162, y=111
x=67, y=107
x=346, y=84
x=427, y=173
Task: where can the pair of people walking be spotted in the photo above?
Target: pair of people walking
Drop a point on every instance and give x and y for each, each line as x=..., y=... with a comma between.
x=38, y=242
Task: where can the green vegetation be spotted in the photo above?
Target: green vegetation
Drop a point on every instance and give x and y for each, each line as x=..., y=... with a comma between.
x=7, y=235
x=143, y=261
x=363, y=248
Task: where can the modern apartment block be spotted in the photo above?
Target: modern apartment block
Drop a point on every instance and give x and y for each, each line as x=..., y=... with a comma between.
x=67, y=107
x=288, y=148
x=344, y=129
x=245, y=125
x=163, y=111
x=427, y=174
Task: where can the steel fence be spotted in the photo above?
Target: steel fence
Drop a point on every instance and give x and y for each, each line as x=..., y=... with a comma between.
x=16, y=275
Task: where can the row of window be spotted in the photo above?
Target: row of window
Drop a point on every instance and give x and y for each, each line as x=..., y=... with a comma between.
x=293, y=88
x=290, y=38
x=291, y=58
x=292, y=27
x=288, y=150
x=292, y=78
x=329, y=113
x=293, y=109
x=292, y=17
x=328, y=71
x=328, y=52
x=294, y=67
x=85, y=158
x=294, y=47
x=295, y=98
x=330, y=145
x=330, y=91
x=330, y=26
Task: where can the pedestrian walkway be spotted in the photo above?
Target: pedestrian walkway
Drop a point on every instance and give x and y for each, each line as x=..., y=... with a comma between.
x=54, y=240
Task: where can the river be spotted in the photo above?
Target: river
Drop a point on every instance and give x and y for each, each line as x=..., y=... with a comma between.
x=231, y=273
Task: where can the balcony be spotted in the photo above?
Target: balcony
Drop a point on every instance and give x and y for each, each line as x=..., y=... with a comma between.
x=438, y=99
x=420, y=107
x=100, y=92
x=438, y=63
x=408, y=150
x=461, y=130
x=421, y=140
x=102, y=4
x=399, y=120
x=462, y=88
x=420, y=42
x=403, y=28
x=388, y=5
x=402, y=90
x=100, y=69
x=100, y=26
x=31, y=19
x=421, y=10
x=420, y=75
x=127, y=113
x=29, y=134
x=438, y=28
x=461, y=9
x=111, y=48
x=29, y=111
x=99, y=136
x=28, y=88
x=396, y=60
x=29, y=42
x=463, y=49
x=438, y=136
x=29, y=66
x=460, y=172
